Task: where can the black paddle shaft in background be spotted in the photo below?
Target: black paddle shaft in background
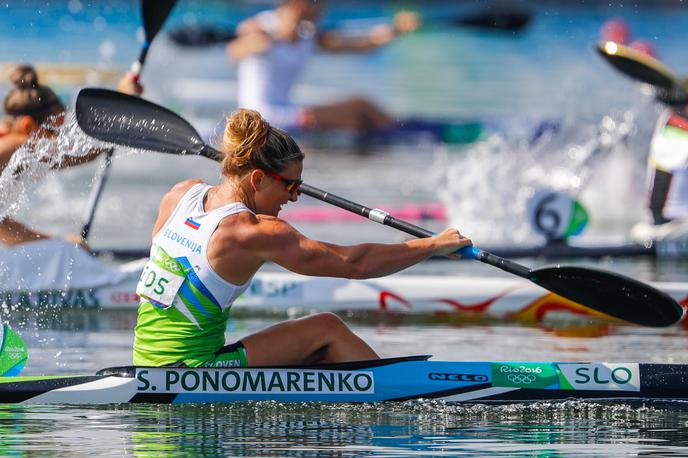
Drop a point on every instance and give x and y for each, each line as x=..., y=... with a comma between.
x=154, y=14
x=126, y=120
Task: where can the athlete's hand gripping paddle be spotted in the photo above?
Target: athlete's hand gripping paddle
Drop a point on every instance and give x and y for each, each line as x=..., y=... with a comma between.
x=125, y=120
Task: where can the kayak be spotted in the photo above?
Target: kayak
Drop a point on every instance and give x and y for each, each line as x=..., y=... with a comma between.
x=72, y=279
x=208, y=95
x=392, y=379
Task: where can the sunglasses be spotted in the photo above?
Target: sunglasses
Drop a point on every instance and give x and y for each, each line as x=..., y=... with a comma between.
x=290, y=185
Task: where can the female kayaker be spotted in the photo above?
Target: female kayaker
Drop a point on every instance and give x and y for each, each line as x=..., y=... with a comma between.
x=209, y=241
x=273, y=47
x=33, y=110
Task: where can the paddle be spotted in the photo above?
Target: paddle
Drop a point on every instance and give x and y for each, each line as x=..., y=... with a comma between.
x=125, y=120
x=154, y=13
x=491, y=18
x=646, y=69
x=13, y=353
x=96, y=192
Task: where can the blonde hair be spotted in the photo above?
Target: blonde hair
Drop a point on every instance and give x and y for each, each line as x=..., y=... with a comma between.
x=250, y=142
x=29, y=98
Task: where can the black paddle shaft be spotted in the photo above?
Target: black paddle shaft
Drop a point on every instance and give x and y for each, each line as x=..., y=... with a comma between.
x=127, y=120
x=382, y=217
x=154, y=14
x=96, y=192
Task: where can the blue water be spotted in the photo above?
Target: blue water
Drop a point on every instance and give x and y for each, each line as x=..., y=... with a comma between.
x=549, y=71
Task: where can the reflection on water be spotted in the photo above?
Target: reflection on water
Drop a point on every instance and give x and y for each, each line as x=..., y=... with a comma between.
x=412, y=428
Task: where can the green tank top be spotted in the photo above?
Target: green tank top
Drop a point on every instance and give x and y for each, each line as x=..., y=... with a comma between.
x=184, y=305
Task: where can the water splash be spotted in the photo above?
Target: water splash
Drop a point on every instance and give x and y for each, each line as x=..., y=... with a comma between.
x=38, y=158
x=485, y=191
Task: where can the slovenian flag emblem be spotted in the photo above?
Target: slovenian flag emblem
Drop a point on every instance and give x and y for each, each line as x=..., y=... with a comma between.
x=192, y=224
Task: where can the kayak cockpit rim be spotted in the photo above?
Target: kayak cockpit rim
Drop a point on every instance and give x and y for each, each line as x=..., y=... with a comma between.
x=130, y=371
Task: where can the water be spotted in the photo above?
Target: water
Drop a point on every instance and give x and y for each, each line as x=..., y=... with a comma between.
x=410, y=429
x=551, y=71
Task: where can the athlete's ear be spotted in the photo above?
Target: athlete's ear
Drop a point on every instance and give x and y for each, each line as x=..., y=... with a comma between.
x=257, y=179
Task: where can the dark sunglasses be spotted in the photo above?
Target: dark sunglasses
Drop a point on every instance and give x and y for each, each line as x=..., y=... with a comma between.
x=290, y=185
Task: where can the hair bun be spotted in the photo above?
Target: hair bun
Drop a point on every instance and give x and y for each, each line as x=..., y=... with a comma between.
x=246, y=132
x=24, y=77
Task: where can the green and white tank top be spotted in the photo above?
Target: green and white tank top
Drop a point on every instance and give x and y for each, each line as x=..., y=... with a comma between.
x=184, y=304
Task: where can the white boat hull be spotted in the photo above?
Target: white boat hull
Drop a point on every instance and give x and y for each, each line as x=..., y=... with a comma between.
x=288, y=293
x=285, y=293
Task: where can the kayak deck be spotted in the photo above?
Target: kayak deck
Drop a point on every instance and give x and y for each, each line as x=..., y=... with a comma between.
x=391, y=379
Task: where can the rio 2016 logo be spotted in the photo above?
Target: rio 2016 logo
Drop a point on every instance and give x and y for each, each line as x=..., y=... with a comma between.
x=524, y=375
x=520, y=370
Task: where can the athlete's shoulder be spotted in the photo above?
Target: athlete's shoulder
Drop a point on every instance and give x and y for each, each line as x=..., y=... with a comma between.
x=184, y=186
x=177, y=192
x=275, y=223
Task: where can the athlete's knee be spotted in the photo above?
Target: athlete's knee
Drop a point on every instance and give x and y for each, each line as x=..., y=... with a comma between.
x=328, y=322
x=326, y=318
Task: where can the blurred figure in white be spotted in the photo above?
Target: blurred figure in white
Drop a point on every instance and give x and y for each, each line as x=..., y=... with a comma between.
x=273, y=47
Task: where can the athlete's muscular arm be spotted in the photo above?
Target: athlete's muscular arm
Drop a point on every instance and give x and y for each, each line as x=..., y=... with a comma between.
x=14, y=233
x=170, y=201
x=404, y=22
x=277, y=241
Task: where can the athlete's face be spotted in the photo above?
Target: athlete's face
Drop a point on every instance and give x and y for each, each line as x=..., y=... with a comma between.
x=275, y=191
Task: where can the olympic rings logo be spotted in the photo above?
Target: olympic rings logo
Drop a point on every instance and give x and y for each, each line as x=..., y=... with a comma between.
x=521, y=379
x=171, y=265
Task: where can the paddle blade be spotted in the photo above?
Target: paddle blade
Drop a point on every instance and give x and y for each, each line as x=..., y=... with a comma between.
x=637, y=65
x=154, y=14
x=130, y=121
x=201, y=35
x=616, y=295
x=13, y=353
x=507, y=20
